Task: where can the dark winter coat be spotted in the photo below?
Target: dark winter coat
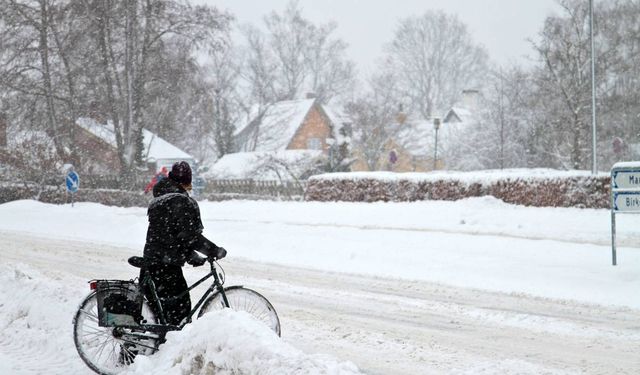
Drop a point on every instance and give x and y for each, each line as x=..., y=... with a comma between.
x=175, y=227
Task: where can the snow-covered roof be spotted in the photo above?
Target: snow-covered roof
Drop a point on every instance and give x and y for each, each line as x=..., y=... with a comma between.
x=158, y=148
x=459, y=114
x=102, y=131
x=263, y=165
x=154, y=146
x=336, y=115
x=279, y=123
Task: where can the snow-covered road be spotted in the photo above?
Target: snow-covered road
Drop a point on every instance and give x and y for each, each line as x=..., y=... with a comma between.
x=385, y=326
x=468, y=287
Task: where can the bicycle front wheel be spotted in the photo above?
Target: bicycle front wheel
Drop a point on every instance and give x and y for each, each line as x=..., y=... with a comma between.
x=247, y=300
x=109, y=350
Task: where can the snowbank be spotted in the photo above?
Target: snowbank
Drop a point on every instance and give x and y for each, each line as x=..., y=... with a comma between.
x=36, y=312
x=483, y=177
x=35, y=320
x=233, y=343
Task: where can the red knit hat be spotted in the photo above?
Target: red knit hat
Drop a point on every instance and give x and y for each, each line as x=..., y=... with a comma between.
x=181, y=173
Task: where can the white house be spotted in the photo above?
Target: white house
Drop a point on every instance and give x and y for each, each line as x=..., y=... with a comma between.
x=99, y=141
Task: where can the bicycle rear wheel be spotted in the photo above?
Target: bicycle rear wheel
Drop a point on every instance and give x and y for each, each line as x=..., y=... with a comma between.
x=108, y=350
x=243, y=299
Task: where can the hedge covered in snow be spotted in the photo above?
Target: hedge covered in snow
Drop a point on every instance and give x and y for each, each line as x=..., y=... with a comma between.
x=529, y=187
x=59, y=195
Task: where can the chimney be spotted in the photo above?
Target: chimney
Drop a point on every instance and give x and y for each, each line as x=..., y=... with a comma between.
x=470, y=99
x=3, y=130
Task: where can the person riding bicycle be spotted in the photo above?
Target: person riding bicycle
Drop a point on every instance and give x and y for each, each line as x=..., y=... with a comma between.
x=174, y=237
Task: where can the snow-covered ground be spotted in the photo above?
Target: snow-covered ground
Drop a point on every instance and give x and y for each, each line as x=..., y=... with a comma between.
x=480, y=243
x=489, y=259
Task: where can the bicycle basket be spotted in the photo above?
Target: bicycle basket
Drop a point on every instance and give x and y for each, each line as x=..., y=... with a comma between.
x=119, y=303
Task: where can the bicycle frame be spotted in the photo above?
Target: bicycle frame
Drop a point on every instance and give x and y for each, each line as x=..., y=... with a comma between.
x=141, y=337
x=163, y=327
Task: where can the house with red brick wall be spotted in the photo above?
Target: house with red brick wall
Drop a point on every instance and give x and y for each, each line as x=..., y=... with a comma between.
x=279, y=131
x=96, y=149
x=303, y=124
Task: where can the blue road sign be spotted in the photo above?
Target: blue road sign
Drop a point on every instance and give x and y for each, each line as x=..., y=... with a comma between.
x=73, y=181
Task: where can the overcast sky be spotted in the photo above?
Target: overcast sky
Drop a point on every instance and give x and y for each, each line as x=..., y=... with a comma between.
x=502, y=26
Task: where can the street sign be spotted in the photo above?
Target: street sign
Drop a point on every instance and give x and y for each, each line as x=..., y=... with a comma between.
x=626, y=179
x=625, y=196
x=626, y=201
x=72, y=181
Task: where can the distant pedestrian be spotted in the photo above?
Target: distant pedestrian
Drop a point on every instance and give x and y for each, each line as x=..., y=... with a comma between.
x=162, y=174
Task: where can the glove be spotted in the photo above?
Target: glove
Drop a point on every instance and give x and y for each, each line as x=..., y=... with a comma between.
x=196, y=260
x=221, y=253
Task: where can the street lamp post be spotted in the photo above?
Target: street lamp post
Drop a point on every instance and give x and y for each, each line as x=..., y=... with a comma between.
x=436, y=126
x=594, y=169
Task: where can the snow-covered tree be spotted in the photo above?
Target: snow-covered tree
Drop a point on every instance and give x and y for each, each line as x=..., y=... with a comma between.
x=62, y=59
x=374, y=115
x=434, y=58
x=293, y=57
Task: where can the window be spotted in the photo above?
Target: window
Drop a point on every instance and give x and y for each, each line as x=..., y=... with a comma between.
x=314, y=144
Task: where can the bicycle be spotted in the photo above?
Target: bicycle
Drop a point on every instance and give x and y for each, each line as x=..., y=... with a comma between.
x=108, y=343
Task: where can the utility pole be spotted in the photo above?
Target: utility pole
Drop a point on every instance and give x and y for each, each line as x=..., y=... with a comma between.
x=436, y=126
x=594, y=169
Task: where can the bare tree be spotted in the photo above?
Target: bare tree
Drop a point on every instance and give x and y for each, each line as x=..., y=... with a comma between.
x=619, y=80
x=61, y=59
x=288, y=36
x=374, y=115
x=434, y=58
x=180, y=107
x=128, y=48
x=563, y=80
x=32, y=43
x=500, y=137
x=259, y=70
x=564, y=51
x=294, y=57
x=228, y=103
x=330, y=73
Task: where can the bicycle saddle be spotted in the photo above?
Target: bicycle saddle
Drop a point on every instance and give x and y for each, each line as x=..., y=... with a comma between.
x=137, y=262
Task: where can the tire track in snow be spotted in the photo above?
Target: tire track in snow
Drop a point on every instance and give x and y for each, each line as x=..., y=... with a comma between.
x=622, y=242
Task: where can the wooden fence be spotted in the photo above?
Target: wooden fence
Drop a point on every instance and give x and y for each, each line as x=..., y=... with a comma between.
x=255, y=188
